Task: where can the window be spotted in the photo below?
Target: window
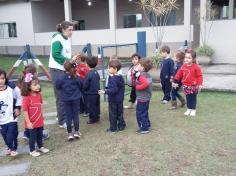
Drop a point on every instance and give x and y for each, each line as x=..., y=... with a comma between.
x=79, y=25
x=170, y=19
x=220, y=9
x=134, y=20
x=8, y=30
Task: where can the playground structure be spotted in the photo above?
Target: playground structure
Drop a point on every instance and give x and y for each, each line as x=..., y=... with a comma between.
x=28, y=58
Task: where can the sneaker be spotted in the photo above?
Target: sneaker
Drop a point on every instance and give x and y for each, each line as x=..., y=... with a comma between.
x=45, y=135
x=25, y=137
x=63, y=126
x=70, y=137
x=129, y=106
x=111, y=131
x=43, y=150
x=85, y=114
x=8, y=152
x=34, y=153
x=142, y=131
x=164, y=102
x=193, y=112
x=13, y=153
x=77, y=134
x=187, y=112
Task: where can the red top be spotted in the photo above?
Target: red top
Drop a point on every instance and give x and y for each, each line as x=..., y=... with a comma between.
x=190, y=75
x=82, y=69
x=143, y=83
x=33, y=105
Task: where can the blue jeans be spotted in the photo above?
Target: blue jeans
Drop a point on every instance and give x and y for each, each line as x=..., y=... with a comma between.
x=166, y=89
x=93, y=107
x=9, y=133
x=36, y=135
x=116, y=116
x=191, y=101
x=72, y=113
x=142, y=115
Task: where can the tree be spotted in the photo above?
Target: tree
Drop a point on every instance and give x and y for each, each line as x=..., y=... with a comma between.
x=157, y=12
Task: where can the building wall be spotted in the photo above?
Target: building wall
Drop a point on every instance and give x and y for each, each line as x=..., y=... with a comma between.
x=19, y=12
x=95, y=16
x=47, y=14
x=222, y=39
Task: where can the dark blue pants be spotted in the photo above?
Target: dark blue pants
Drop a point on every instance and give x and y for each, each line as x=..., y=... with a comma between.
x=83, y=104
x=191, y=101
x=36, y=135
x=166, y=89
x=175, y=94
x=116, y=116
x=93, y=107
x=142, y=115
x=132, y=95
x=72, y=113
x=9, y=133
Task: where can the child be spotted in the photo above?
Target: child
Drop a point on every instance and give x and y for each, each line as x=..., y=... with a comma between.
x=30, y=68
x=144, y=93
x=115, y=91
x=10, y=104
x=131, y=80
x=91, y=86
x=32, y=108
x=178, y=59
x=166, y=73
x=82, y=70
x=191, y=78
x=70, y=86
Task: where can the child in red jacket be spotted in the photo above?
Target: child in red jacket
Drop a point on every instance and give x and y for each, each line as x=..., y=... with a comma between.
x=191, y=78
x=82, y=70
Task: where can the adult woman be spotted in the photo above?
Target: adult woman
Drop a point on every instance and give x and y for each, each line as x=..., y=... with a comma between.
x=60, y=51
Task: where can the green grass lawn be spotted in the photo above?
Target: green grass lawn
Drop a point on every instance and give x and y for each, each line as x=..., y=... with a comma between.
x=204, y=145
x=6, y=63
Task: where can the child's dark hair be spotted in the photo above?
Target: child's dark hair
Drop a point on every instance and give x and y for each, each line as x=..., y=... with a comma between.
x=165, y=49
x=25, y=88
x=2, y=72
x=92, y=61
x=193, y=54
x=30, y=68
x=180, y=55
x=63, y=25
x=83, y=58
x=136, y=55
x=115, y=64
x=146, y=63
x=70, y=67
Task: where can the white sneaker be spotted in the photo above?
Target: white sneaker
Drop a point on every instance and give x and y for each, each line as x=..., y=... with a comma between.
x=70, y=137
x=187, y=112
x=164, y=101
x=63, y=126
x=43, y=150
x=193, y=112
x=13, y=153
x=34, y=153
x=77, y=134
x=129, y=106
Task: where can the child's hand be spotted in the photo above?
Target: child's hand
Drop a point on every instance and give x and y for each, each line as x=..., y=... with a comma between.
x=101, y=92
x=136, y=74
x=30, y=125
x=17, y=112
x=175, y=85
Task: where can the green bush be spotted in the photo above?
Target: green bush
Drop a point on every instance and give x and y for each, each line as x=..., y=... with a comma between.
x=205, y=50
x=156, y=60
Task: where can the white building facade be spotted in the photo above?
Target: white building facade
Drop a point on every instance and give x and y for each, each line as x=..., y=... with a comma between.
x=108, y=22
